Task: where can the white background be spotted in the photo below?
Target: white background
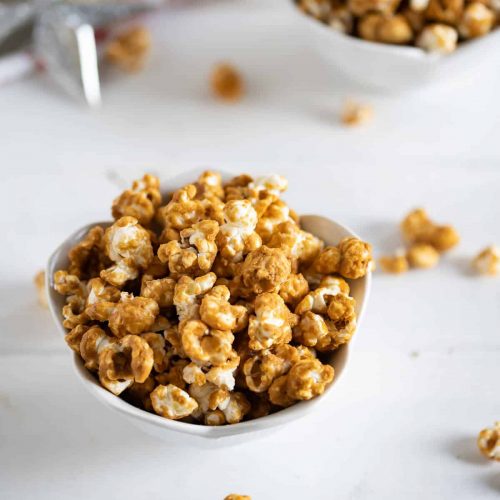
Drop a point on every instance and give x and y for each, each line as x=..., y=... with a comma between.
x=425, y=372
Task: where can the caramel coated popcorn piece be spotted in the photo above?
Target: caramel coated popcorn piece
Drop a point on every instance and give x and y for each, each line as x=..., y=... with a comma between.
x=218, y=313
x=236, y=496
x=181, y=212
x=294, y=289
x=354, y=114
x=362, y=7
x=141, y=201
x=320, y=9
x=438, y=38
x=272, y=323
x=395, y=264
x=308, y=378
x=227, y=83
x=128, y=245
x=351, y=258
x=423, y=256
x=87, y=258
x=194, y=253
x=39, y=281
x=300, y=246
x=319, y=299
x=171, y=402
x=265, y=269
x=394, y=29
x=487, y=262
x=129, y=49
x=488, y=442
x=160, y=290
x=133, y=315
x=237, y=236
x=157, y=343
x=262, y=369
x=416, y=227
x=92, y=342
x=188, y=293
x=124, y=362
x=445, y=11
x=209, y=185
x=477, y=20
x=204, y=345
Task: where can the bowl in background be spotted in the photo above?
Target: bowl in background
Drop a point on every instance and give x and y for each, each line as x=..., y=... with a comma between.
x=394, y=68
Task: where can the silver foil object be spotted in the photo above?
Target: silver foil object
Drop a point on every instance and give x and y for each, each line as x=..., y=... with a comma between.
x=63, y=37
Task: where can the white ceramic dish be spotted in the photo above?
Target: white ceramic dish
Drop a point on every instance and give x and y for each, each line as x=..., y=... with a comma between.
x=393, y=68
x=184, y=433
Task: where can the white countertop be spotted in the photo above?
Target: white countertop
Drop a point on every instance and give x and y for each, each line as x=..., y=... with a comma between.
x=424, y=375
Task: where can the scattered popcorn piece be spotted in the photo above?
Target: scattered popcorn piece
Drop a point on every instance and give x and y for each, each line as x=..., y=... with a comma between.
x=487, y=262
x=236, y=496
x=226, y=82
x=354, y=114
x=438, y=38
x=488, y=442
x=395, y=264
x=171, y=402
x=416, y=227
x=477, y=20
x=39, y=281
x=423, y=256
x=129, y=49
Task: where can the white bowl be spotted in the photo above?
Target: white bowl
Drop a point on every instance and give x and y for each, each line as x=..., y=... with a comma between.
x=192, y=434
x=394, y=68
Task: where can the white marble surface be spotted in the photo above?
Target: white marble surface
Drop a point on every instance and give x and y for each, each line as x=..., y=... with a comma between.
x=424, y=376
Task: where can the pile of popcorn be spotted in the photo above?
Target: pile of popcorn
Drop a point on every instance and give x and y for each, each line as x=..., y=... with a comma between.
x=433, y=25
x=425, y=240
x=213, y=307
